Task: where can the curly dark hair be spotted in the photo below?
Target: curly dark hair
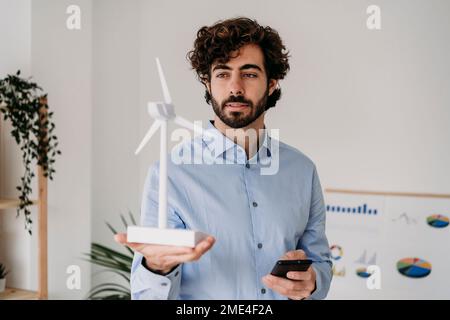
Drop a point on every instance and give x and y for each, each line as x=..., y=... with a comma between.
x=217, y=42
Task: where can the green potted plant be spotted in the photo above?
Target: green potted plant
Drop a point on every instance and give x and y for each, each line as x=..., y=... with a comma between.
x=114, y=262
x=3, y=274
x=32, y=128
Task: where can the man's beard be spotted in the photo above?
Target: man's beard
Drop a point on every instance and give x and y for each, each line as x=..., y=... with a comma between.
x=237, y=119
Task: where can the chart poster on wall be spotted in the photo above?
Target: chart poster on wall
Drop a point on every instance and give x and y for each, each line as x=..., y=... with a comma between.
x=388, y=245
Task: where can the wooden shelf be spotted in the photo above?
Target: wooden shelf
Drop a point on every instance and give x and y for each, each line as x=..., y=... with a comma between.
x=13, y=203
x=18, y=294
x=42, y=240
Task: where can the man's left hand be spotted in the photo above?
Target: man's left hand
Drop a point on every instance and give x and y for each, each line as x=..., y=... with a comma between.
x=299, y=285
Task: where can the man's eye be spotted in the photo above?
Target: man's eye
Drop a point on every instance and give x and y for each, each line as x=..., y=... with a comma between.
x=221, y=75
x=250, y=75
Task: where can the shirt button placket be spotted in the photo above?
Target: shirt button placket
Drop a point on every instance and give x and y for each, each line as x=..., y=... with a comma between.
x=240, y=156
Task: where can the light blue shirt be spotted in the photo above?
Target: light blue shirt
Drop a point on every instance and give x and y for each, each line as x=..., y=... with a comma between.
x=256, y=218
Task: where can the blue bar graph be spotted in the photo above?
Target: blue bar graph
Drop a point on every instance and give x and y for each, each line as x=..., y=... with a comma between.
x=364, y=209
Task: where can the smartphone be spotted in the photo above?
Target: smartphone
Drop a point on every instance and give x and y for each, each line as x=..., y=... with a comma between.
x=282, y=267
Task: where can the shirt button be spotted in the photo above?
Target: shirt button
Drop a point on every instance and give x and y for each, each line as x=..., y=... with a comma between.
x=248, y=166
x=259, y=245
x=263, y=291
x=255, y=204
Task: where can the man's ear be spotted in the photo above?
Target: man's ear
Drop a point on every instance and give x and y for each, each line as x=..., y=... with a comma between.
x=272, y=86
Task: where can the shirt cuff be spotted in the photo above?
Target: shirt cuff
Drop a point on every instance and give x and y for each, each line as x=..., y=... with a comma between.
x=316, y=294
x=147, y=285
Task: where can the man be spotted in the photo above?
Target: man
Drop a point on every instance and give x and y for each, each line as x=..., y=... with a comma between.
x=254, y=219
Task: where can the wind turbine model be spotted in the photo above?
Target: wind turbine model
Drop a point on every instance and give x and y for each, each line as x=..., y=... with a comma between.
x=163, y=112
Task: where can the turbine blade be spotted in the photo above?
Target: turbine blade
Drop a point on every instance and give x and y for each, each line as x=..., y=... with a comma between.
x=187, y=124
x=164, y=86
x=155, y=126
x=182, y=122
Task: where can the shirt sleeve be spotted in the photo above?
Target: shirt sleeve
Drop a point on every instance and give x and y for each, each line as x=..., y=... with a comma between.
x=147, y=285
x=314, y=241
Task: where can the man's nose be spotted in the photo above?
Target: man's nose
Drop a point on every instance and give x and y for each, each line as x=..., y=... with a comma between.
x=236, y=86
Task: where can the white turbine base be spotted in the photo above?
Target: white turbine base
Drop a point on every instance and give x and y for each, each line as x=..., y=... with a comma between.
x=171, y=237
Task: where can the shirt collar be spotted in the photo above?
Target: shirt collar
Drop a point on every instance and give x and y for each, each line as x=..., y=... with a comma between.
x=219, y=144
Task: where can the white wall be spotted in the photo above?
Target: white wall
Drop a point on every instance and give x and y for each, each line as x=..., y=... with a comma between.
x=62, y=64
x=15, y=26
x=17, y=251
x=371, y=106
x=115, y=118
x=38, y=42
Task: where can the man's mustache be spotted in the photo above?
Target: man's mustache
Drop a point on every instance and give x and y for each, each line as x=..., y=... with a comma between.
x=240, y=99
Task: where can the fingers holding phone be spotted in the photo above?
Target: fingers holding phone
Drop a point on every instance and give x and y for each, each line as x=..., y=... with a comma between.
x=292, y=276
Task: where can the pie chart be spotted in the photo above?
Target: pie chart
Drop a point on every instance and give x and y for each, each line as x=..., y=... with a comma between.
x=438, y=221
x=362, y=272
x=414, y=267
x=336, y=252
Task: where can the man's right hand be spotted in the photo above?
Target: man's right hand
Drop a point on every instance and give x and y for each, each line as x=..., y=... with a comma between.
x=162, y=258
